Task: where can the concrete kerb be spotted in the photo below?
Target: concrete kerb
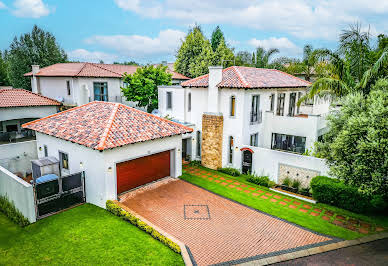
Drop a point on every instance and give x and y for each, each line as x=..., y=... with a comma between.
x=184, y=252
x=317, y=250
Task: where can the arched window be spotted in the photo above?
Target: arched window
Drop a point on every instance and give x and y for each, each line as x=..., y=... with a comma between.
x=232, y=106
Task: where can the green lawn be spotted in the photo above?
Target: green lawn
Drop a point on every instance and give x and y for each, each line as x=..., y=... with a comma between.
x=293, y=215
x=84, y=235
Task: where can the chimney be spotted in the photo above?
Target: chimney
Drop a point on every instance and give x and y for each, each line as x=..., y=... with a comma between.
x=34, y=79
x=215, y=77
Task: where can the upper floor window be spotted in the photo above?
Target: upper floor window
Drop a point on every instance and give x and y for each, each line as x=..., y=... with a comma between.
x=189, y=102
x=232, y=106
x=298, y=106
x=272, y=99
x=291, y=107
x=255, y=116
x=254, y=141
x=45, y=150
x=68, y=87
x=100, y=91
x=64, y=160
x=280, y=104
x=231, y=143
x=198, y=143
x=288, y=143
x=169, y=100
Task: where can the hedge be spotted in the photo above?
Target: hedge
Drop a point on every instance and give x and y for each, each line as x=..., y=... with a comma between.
x=9, y=209
x=118, y=211
x=259, y=180
x=230, y=171
x=336, y=193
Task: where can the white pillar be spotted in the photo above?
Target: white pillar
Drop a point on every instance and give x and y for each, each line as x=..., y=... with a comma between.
x=34, y=79
x=215, y=77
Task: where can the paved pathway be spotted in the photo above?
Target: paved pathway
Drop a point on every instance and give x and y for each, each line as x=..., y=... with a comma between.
x=373, y=253
x=300, y=206
x=218, y=230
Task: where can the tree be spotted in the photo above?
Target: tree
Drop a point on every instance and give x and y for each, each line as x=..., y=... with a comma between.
x=263, y=57
x=189, y=50
x=4, y=81
x=129, y=63
x=356, y=145
x=36, y=48
x=142, y=86
x=217, y=38
x=243, y=58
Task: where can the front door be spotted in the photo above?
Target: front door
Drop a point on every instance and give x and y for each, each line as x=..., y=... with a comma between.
x=184, y=149
x=247, y=162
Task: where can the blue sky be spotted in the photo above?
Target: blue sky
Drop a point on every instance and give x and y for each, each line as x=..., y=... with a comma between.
x=150, y=31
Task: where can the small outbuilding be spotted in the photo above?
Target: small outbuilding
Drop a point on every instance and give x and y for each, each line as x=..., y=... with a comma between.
x=118, y=147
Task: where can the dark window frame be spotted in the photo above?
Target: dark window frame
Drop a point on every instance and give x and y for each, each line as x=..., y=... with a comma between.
x=272, y=103
x=64, y=160
x=45, y=149
x=232, y=106
x=168, y=100
x=280, y=104
x=254, y=139
x=231, y=145
x=189, y=102
x=68, y=87
x=288, y=143
x=102, y=95
x=292, y=104
x=255, y=106
x=198, y=147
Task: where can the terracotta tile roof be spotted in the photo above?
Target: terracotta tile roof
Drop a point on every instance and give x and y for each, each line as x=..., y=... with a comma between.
x=91, y=70
x=250, y=78
x=20, y=97
x=106, y=125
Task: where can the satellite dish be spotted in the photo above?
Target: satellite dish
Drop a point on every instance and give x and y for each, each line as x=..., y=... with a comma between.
x=156, y=112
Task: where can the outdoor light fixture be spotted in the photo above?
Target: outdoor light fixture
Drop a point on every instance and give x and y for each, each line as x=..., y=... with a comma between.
x=81, y=164
x=236, y=148
x=110, y=169
x=40, y=148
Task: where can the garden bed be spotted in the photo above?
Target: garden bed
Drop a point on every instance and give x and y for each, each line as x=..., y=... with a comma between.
x=279, y=189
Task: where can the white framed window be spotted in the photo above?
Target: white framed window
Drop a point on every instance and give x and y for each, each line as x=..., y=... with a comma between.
x=100, y=91
x=189, y=102
x=169, y=100
x=254, y=141
x=45, y=150
x=68, y=87
x=64, y=160
x=232, y=106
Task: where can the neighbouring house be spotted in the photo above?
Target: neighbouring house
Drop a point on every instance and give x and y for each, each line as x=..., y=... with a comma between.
x=118, y=147
x=248, y=118
x=76, y=84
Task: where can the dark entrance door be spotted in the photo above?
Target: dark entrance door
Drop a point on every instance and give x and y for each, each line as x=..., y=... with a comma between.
x=247, y=162
x=184, y=149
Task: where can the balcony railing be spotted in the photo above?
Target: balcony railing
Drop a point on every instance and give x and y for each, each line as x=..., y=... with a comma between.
x=256, y=117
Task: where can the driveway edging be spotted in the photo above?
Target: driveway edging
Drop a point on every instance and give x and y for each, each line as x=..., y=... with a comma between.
x=184, y=252
x=317, y=250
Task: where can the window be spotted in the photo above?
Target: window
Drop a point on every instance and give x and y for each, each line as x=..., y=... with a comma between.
x=11, y=128
x=231, y=143
x=68, y=87
x=288, y=143
x=100, y=91
x=169, y=100
x=280, y=104
x=291, y=107
x=45, y=150
x=198, y=143
x=189, y=102
x=272, y=98
x=232, y=106
x=299, y=96
x=64, y=160
x=255, y=109
x=254, y=140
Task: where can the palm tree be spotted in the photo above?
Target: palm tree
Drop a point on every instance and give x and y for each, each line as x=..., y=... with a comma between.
x=263, y=57
x=308, y=62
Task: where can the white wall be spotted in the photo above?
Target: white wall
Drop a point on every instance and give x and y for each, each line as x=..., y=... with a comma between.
x=54, y=87
x=10, y=113
x=19, y=192
x=179, y=102
x=16, y=157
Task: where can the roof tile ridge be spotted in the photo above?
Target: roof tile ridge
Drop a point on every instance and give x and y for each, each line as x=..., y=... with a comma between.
x=240, y=77
x=99, y=66
x=101, y=144
x=84, y=64
x=157, y=117
x=48, y=98
x=197, y=78
x=289, y=75
x=53, y=115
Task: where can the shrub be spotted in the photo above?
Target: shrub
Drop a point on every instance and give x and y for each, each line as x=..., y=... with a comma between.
x=286, y=182
x=230, y=171
x=9, y=209
x=127, y=216
x=195, y=163
x=296, y=184
x=260, y=180
x=334, y=192
x=305, y=191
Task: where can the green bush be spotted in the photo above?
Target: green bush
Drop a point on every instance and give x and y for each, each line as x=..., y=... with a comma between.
x=260, y=180
x=116, y=210
x=296, y=184
x=286, y=182
x=195, y=163
x=230, y=171
x=336, y=193
x=9, y=209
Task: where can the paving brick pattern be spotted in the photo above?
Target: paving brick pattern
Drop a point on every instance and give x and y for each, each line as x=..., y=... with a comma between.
x=299, y=206
x=224, y=230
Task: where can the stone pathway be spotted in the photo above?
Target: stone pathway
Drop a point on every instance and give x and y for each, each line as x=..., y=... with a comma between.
x=300, y=206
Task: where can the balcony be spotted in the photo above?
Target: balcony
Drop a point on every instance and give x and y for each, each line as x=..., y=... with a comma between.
x=256, y=117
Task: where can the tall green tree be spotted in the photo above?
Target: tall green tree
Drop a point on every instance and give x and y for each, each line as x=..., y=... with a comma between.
x=36, y=48
x=142, y=86
x=4, y=80
x=243, y=58
x=263, y=56
x=217, y=38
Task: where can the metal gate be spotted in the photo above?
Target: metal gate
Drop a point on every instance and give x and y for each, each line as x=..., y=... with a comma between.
x=59, y=194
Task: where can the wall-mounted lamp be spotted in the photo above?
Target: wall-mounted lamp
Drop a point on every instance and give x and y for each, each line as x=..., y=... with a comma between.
x=236, y=148
x=110, y=169
x=40, y=148
x=81, y=165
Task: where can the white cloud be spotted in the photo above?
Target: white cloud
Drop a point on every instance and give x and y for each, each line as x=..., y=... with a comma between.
x=30, y=8
x=284, y=45
x=2, y=5
x=300, y=18
x=88, y=56
x=138, y=46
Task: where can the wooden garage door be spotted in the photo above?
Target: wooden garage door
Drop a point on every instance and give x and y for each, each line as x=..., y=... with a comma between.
x=137, y=172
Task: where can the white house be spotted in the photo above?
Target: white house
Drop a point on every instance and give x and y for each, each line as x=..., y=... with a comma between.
x=238, y=110
x=78, y=83
x=118, y=147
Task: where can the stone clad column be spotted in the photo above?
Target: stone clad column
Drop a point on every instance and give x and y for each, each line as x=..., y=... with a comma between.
x=212, y=132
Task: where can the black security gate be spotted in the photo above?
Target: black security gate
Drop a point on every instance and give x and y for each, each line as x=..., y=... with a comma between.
x=59, y=194
x=247, y=162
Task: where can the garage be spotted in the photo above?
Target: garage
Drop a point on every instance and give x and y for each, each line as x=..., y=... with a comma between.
x=140, y=171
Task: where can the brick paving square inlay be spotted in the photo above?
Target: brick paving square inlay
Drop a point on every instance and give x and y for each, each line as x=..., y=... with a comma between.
x=233, y=231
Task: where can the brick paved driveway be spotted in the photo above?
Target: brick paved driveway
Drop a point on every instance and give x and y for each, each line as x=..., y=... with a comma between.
x=218, y=230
